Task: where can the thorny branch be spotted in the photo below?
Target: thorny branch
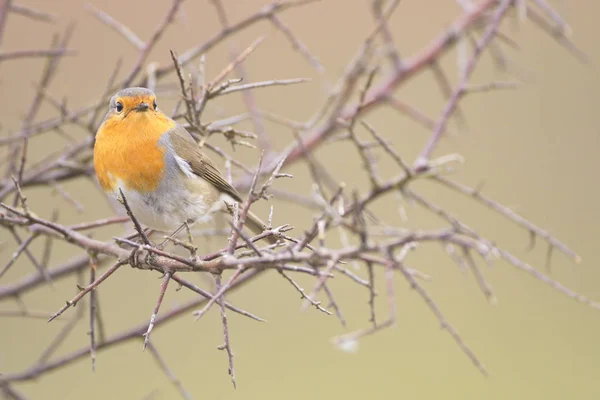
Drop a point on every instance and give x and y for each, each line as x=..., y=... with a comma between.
x=373, y=77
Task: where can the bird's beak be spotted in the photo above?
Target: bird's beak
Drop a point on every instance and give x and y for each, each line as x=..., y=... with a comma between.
x=142, y=107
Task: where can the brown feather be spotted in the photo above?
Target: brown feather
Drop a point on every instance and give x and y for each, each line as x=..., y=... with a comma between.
x=186, y=147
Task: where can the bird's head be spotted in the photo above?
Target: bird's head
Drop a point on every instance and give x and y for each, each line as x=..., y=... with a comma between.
x=133, y=111
x=132, y=100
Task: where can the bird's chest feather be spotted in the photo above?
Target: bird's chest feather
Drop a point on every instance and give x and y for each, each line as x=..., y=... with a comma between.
x=127, y=152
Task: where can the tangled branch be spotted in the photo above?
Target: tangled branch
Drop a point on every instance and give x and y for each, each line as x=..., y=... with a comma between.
x=370, y=81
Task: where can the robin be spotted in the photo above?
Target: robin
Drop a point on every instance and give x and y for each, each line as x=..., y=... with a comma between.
x=166, y=179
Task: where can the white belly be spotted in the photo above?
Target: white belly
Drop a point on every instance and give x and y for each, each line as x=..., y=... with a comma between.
x=169, y=207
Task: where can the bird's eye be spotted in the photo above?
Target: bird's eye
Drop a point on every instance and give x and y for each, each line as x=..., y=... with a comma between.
x=119, y=107
x=154, y=104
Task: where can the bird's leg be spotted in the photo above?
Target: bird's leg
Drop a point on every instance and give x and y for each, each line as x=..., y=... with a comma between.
x=162, y=245
x=135, y=237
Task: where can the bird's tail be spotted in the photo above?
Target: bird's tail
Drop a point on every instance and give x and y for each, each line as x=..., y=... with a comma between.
x=254, y=223
x=257, y=226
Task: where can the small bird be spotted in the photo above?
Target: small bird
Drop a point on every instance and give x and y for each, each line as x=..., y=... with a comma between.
x=165, y=177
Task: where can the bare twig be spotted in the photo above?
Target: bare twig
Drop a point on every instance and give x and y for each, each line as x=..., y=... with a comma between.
x=226, y=344
x=117, y=26
x=17, y=54
x=138, y=226
x=442, y=320
x=452, y=103
x=172, y=378
x=93, y=310
x=31, y=13
x=5, y=6
x=161, y=295
x=87, y=289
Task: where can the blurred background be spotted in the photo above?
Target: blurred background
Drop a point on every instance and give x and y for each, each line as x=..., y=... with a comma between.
x=535, y=148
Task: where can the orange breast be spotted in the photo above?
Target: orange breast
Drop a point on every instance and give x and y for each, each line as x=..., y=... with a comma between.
x=127, y=150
